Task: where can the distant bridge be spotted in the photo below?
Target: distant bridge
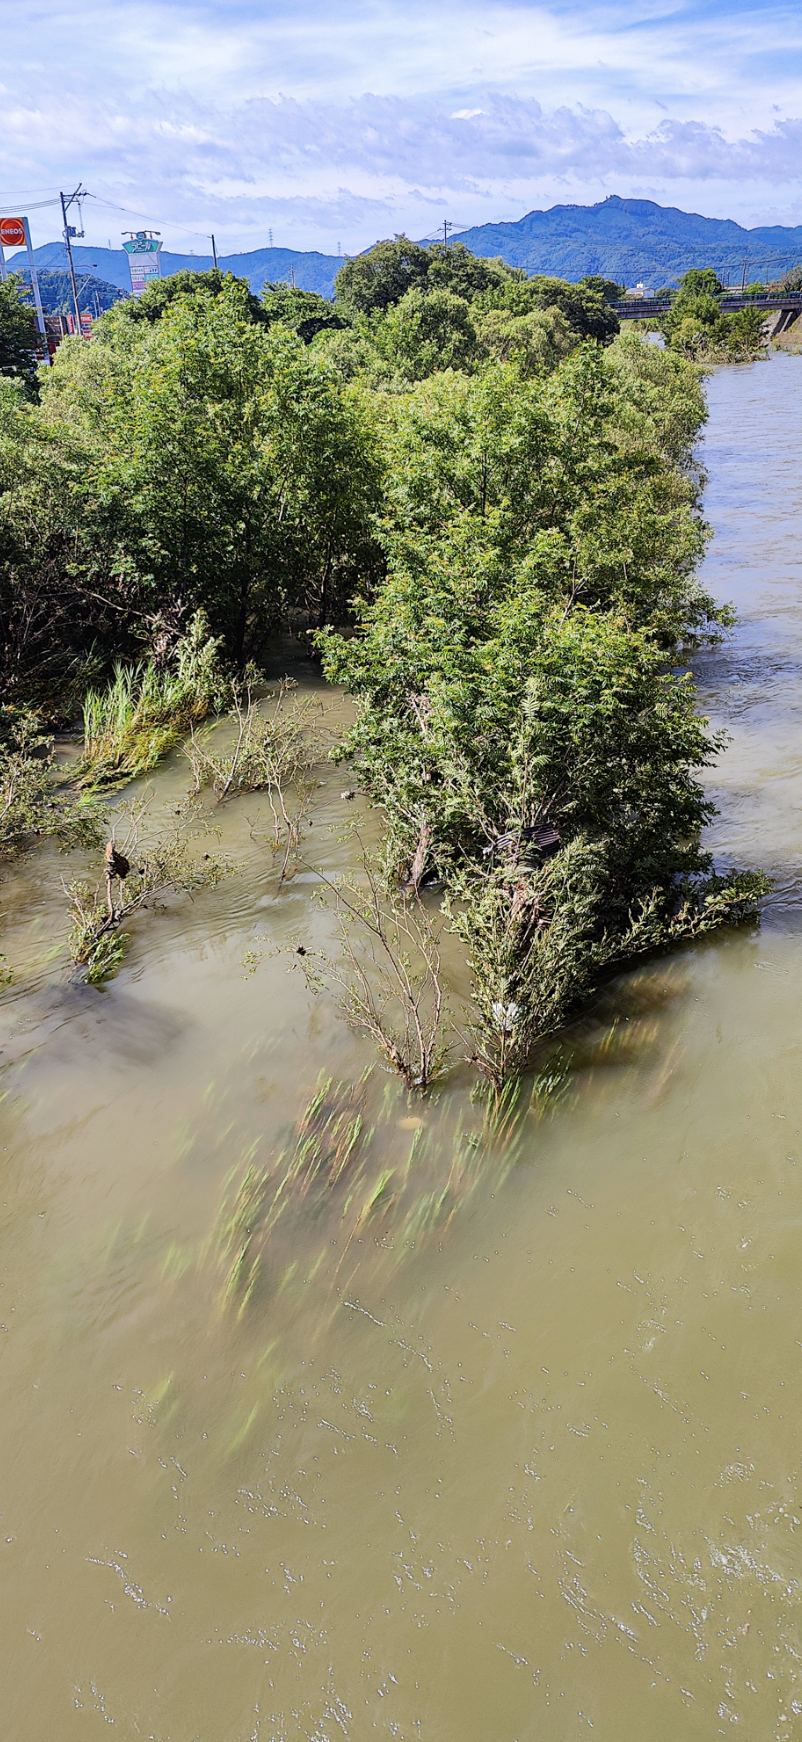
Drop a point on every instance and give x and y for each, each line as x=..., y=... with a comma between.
x=644, y=308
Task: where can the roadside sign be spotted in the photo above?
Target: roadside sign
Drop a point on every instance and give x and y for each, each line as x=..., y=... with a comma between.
x=143, y=260
x=12, y=232
x=15, y=233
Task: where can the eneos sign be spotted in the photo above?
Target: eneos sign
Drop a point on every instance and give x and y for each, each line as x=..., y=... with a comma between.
x=12, y=232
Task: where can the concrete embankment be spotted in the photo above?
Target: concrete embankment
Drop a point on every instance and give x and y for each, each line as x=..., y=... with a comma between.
x=783, y=329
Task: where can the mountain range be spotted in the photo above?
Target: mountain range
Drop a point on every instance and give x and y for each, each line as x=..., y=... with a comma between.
x=627, y=240
x=636, y=240
x=311, y=271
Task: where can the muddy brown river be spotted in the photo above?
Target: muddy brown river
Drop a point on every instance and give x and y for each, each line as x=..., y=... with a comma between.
x=505, y=1442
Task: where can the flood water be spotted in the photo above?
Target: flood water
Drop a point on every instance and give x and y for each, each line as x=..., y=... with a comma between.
x=516, y=1464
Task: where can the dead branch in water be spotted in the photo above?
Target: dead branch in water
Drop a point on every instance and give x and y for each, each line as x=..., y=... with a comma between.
x=276, y=748
x=390, y=981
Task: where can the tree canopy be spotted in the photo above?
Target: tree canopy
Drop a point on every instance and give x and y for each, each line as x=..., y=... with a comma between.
x=19, y=334
x=481, y=501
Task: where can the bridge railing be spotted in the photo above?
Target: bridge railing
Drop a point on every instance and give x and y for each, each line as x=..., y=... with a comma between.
x=642, y=307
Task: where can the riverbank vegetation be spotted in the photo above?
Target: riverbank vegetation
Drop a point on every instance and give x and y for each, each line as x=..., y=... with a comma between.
x=697, y=326
x=479, y=505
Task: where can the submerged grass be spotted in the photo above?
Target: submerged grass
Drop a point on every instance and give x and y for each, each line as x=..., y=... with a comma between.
x=350, y=1168
x=144, y=711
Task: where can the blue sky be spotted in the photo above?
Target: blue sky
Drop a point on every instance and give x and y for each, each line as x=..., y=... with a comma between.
x=332, y=124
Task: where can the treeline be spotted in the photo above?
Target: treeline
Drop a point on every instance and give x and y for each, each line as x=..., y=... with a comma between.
x=480, y=504
x=210, y=448
x=698, y=327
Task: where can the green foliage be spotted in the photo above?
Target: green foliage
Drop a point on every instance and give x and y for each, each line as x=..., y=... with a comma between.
x=468, y=275
x=538, y=943
x=302, y=311
x=144, y=712
x=427, y=330
x=94, y=944
x=700, y=281
x=381, y=276
x=499, y=491
x=697, y=327
x=226, y=461
x=19, y=334
x=374, y=281
x=32, y=803
x=160, y=866
x=161, y=292
x=585, y=307
x=537, y=341
x=605, y=287
x=542, y=537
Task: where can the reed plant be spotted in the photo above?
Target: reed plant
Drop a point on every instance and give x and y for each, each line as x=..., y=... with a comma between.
x=145, y=711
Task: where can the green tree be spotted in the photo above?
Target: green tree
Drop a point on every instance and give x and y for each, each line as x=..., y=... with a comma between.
x=513, y=675
x=584, y=306
x=19, y=334
x=697, y=326
x=382, y=275
x=537, y=341
x=427, y=330
x=700, y=281
x=604, y=287
x=247, y=467
x=199, y=460
x=161, y=292
x=455, y=268
x=302, y=311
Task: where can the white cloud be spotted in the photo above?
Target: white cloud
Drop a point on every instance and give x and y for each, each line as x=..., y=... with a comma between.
x=239, y=116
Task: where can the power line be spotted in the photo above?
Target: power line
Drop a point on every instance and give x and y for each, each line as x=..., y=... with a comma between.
x=8, y=211
x=168, y=223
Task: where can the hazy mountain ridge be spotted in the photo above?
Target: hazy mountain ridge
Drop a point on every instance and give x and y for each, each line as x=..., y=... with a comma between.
x=312, y=271
x=628, y=240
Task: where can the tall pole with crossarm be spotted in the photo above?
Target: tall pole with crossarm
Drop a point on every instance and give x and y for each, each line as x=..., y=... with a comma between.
x=69, y=230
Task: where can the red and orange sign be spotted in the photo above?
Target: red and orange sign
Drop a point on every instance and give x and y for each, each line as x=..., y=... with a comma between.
x=12, y=232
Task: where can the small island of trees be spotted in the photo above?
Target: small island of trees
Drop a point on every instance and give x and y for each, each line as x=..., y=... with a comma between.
x=478, y=503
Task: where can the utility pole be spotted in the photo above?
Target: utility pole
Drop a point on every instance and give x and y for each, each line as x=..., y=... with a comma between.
x=447, y=225
x=70, y=230
x=214, y=253
x=743, y=277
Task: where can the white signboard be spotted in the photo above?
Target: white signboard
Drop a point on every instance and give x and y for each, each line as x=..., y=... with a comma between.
x=143, y=260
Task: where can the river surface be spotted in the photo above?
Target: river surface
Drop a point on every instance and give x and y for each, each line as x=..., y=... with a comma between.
x=504, y=1445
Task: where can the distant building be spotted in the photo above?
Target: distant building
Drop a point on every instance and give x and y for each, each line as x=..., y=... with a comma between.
x=638, y=292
